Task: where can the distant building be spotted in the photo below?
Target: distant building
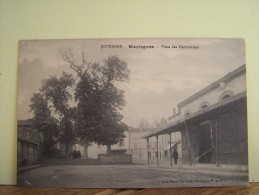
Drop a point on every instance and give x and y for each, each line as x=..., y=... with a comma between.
x=134, y=144
x=213, y=123
x=29, y=143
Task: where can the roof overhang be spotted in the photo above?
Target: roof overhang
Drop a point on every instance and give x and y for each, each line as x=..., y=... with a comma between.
x=205, y=114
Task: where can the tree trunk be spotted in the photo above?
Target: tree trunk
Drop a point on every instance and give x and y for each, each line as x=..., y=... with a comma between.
x=67, y=150
x=85, y=154
x=108, y=149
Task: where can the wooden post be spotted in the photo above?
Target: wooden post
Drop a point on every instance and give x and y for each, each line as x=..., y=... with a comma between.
x=33, y=155
x=188, y=141
x=147, y=152
x=129, y=143
x=216, y=147
x=157, y=163
x=22, y=149
x=170, y=152
x=28, y=153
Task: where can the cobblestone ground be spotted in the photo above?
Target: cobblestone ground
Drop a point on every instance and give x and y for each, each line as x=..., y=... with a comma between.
x=116, y=176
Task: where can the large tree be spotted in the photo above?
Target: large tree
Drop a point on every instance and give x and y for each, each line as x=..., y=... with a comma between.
x=52, y=106
x=99, y=99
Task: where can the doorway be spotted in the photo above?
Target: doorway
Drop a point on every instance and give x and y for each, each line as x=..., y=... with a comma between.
x=205, y=143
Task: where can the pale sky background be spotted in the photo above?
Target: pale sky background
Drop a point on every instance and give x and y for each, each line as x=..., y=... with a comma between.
x=160, y=78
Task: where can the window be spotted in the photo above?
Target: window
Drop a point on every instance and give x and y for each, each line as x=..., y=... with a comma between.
x=225, y=95
x=187, y=112
x=121, y=142
x=149, y=145
x=204, y=105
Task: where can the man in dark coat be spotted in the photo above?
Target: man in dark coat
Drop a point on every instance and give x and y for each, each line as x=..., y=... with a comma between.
x=175, y=156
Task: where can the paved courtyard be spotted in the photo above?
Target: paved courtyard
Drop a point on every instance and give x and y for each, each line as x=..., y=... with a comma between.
x=118, y=176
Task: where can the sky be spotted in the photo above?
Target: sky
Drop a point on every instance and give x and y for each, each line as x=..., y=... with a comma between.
x=160, y=77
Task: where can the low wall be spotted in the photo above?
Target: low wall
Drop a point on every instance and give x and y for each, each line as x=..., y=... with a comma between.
x=68, y=161
x=115, y=158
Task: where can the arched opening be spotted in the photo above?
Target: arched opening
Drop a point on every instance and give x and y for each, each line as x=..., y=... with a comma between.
x=225, y=95
x=187, y=112
x=204, y=105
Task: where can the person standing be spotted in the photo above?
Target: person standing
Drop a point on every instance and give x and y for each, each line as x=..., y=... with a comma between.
x=175, y=156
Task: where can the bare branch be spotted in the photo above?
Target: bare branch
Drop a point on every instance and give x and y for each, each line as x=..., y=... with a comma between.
x=69, y=58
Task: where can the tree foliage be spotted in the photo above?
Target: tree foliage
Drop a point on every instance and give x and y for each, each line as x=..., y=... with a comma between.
x=46, y=124
x=97, y=100
x=161, y=124
x=57, y=94
x=52, y=113
x=156, y=124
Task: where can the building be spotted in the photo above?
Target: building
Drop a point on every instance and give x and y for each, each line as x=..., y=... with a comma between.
x=133, y=144
x=29, y=143
x=30, y=149
x=137, y=146
x=212, y=123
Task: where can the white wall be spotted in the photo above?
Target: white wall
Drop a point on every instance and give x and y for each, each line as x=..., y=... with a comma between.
x=236, y=86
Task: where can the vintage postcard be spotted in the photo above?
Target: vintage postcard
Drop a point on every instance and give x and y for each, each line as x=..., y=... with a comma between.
x=132, y=113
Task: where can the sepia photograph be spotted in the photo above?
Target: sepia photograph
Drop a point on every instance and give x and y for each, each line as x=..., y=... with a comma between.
x=132, y=113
